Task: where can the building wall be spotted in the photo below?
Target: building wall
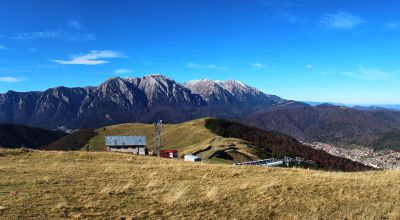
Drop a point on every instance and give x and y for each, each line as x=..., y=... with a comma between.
x=132, y=150
x=142, y=151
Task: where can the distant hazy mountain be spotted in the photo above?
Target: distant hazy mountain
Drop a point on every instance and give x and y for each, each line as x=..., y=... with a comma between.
x=143, y=99
x=391, y=107
x=332, y=124
x=321, y=103
x=360, y=107
x=369, y=108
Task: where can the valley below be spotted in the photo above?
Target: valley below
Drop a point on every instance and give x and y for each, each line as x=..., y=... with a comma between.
x=382, y=159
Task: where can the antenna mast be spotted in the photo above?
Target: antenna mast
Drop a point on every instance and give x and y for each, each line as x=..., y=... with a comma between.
x=158, y=127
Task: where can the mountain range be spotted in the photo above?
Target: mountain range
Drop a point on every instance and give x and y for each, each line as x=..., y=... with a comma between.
x=154, y=97
x=362, y=107
x=143, y=99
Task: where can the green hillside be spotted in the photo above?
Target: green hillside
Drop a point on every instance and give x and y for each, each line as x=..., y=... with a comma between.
x=188, y=138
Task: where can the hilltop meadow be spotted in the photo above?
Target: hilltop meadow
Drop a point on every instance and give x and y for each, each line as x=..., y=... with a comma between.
x=214, y=140
x=99, y=185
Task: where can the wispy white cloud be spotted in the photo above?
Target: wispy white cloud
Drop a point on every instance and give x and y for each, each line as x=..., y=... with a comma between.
x=10, y=79
x=2, y=47
x=282, y=10
x=56, y=35
x=309, y=66
x=202, y=66
x=74, y=32
x=371, y=74
x=257, y=65
x=341, y=20
x=33, y=50
x=122, y=71
x=392, y=25
x=289, y=17
x=75, y=24
x=94, y=57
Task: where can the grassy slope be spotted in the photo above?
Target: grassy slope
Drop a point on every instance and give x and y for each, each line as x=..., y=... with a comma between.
x=48, y=185
x=74, y=141
x=187, y=137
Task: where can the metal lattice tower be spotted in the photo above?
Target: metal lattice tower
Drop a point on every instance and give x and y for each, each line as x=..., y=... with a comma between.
x=158, y=127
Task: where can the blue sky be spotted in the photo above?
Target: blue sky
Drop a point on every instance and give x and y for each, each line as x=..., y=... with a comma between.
x=315, y=50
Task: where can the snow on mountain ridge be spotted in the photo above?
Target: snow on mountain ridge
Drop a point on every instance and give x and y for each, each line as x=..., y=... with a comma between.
x=229, y=91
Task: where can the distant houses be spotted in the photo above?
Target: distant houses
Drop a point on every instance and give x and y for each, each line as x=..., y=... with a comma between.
x=127, y=144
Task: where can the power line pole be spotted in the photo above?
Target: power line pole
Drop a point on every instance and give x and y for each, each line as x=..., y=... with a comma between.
x=158, y=127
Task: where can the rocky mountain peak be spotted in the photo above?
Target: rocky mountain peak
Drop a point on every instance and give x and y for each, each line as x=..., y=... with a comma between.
x=200, y=82
x=231, y=82
x=230, y=91
x=238, y=88
x=112, y=83
x=209, y=90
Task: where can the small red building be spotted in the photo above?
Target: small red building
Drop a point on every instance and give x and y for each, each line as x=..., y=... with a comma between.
x=169, y=153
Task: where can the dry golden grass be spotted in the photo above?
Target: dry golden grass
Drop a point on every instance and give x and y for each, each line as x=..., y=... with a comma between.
x=102, y=185
x=187, y=137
